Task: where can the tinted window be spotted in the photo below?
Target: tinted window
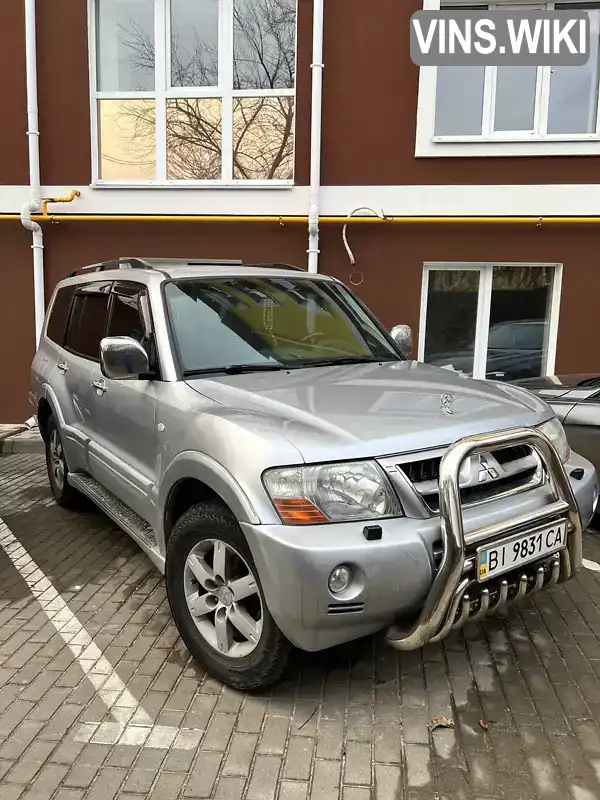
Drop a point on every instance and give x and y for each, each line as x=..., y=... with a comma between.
x=57, y=322
x=87, y=321
x=125, y=315
x=279, y=322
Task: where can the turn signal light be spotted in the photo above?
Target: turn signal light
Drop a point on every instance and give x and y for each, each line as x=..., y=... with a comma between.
x=299, y=512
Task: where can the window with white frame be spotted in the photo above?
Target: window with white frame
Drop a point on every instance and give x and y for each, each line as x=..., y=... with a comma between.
x=193, y=91
x=539, y=110
x=496, y=321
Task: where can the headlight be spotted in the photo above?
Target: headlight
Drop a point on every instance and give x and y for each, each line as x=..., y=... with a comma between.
x=554, y=430
x=331, y=493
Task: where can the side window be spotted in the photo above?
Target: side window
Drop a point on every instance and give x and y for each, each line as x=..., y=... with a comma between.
x=87, y=321
x=59, y=315
x=126, y=315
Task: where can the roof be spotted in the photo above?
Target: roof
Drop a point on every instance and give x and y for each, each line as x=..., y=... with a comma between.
x=175, y=268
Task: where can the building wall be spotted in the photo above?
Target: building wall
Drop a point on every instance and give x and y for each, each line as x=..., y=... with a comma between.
x=369, y=122
x=389, y=262
x=369, y=115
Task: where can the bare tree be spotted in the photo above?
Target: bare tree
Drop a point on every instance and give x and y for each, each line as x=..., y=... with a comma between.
x=263, y=127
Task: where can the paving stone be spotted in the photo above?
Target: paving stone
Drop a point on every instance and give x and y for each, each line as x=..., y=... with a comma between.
x=339, y=728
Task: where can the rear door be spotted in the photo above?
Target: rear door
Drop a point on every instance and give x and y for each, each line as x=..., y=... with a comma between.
x=123, y=450
x=79, y=361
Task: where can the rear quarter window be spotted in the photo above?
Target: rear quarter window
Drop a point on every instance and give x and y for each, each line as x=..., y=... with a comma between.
x=59, y=315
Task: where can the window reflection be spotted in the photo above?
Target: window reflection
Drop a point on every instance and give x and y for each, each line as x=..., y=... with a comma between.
x=574, y=90
x=193, y=139
x=127, y=134
x=515, y=98
x=125, y=45
x=459, y=101
x=264, y=46
x=194, y=42
x=519, y=322
x=263, y=138
x=452, y=297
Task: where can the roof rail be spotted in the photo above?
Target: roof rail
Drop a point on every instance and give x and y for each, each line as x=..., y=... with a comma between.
x=277, y=265
x=193, y=262
x=115, y=263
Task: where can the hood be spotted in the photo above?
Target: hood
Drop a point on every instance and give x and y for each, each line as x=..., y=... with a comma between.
x=368, y=410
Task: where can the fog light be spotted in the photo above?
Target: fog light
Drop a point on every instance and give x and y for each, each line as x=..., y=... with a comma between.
x=339, y=580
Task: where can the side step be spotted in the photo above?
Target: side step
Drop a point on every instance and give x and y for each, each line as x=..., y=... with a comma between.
x=120, y=513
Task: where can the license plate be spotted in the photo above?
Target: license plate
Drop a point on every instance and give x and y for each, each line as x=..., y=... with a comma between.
x=507, y=554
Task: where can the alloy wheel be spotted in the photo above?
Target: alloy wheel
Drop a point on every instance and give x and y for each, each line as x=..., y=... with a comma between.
x=223, y=598
x=57, y=460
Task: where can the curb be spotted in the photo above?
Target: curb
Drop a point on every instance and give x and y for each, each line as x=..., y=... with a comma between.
x=20, y=440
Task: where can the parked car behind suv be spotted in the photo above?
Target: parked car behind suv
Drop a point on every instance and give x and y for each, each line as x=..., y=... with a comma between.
x=299, y=481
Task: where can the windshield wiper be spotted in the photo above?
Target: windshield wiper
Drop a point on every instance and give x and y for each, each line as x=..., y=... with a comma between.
x=334, y=362
x=233, y=369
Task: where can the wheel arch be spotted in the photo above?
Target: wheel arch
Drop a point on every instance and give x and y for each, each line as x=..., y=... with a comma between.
x=194, y=478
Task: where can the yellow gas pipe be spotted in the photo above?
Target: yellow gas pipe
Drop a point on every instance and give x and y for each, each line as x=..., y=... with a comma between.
x=536, y=222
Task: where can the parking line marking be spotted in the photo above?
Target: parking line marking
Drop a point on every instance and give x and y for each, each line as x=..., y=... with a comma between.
x=94, y=665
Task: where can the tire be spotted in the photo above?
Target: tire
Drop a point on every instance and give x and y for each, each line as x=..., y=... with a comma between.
x=58, y=471
x=251, y=661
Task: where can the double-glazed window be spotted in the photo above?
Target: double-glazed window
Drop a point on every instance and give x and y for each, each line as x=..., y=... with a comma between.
x=513, y=110
x=496, y=321
x=82, y=315
x=194, y=90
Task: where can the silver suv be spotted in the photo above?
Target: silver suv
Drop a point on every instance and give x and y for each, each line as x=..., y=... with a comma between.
x=299, y=480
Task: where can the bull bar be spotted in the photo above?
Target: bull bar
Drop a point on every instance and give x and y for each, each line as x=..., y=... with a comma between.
x=447, y=606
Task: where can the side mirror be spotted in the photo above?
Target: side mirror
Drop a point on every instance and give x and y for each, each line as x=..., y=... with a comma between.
x=402, y=335
x=122, y=358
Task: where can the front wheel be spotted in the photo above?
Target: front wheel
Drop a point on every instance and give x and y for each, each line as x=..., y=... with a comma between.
x=218, y=604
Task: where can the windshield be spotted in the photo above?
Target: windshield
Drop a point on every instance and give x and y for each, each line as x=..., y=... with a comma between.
x=270, y=323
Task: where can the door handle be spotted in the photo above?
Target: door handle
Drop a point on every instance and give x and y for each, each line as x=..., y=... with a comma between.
x=62, y=367
x=99, y=386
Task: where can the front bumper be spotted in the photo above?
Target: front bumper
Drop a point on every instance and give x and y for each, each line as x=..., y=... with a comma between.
x=399, y=576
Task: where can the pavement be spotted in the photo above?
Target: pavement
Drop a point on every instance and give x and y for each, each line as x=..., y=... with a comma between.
x=99, y=698
x=19, y=439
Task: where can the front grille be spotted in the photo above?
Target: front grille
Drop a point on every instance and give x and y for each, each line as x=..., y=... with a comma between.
x=518, y=467
x=429, y=468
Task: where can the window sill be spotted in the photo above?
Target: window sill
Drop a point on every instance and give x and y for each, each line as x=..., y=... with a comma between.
x=245, y=185
x=469, y=147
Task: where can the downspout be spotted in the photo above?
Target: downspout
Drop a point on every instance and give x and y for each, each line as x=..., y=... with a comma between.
x=314, y=197
x=33, y=205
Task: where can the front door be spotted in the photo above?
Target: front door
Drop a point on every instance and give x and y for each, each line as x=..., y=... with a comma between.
x=123, y=453
x=495, y=321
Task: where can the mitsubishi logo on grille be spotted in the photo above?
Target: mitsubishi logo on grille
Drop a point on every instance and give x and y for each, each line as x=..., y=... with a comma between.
x=486, y=471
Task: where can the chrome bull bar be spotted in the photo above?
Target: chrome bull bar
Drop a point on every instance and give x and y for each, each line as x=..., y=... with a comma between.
x=448, y=606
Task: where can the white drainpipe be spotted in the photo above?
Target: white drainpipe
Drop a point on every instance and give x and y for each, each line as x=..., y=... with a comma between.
x=34, y=203
x=314, y=198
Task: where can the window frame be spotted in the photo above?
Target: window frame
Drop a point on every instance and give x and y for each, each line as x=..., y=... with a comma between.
x=162, y=27
x=144, y=308
x=501, y=143
x=484, y=302
x=82, y=289
x=67, y=288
